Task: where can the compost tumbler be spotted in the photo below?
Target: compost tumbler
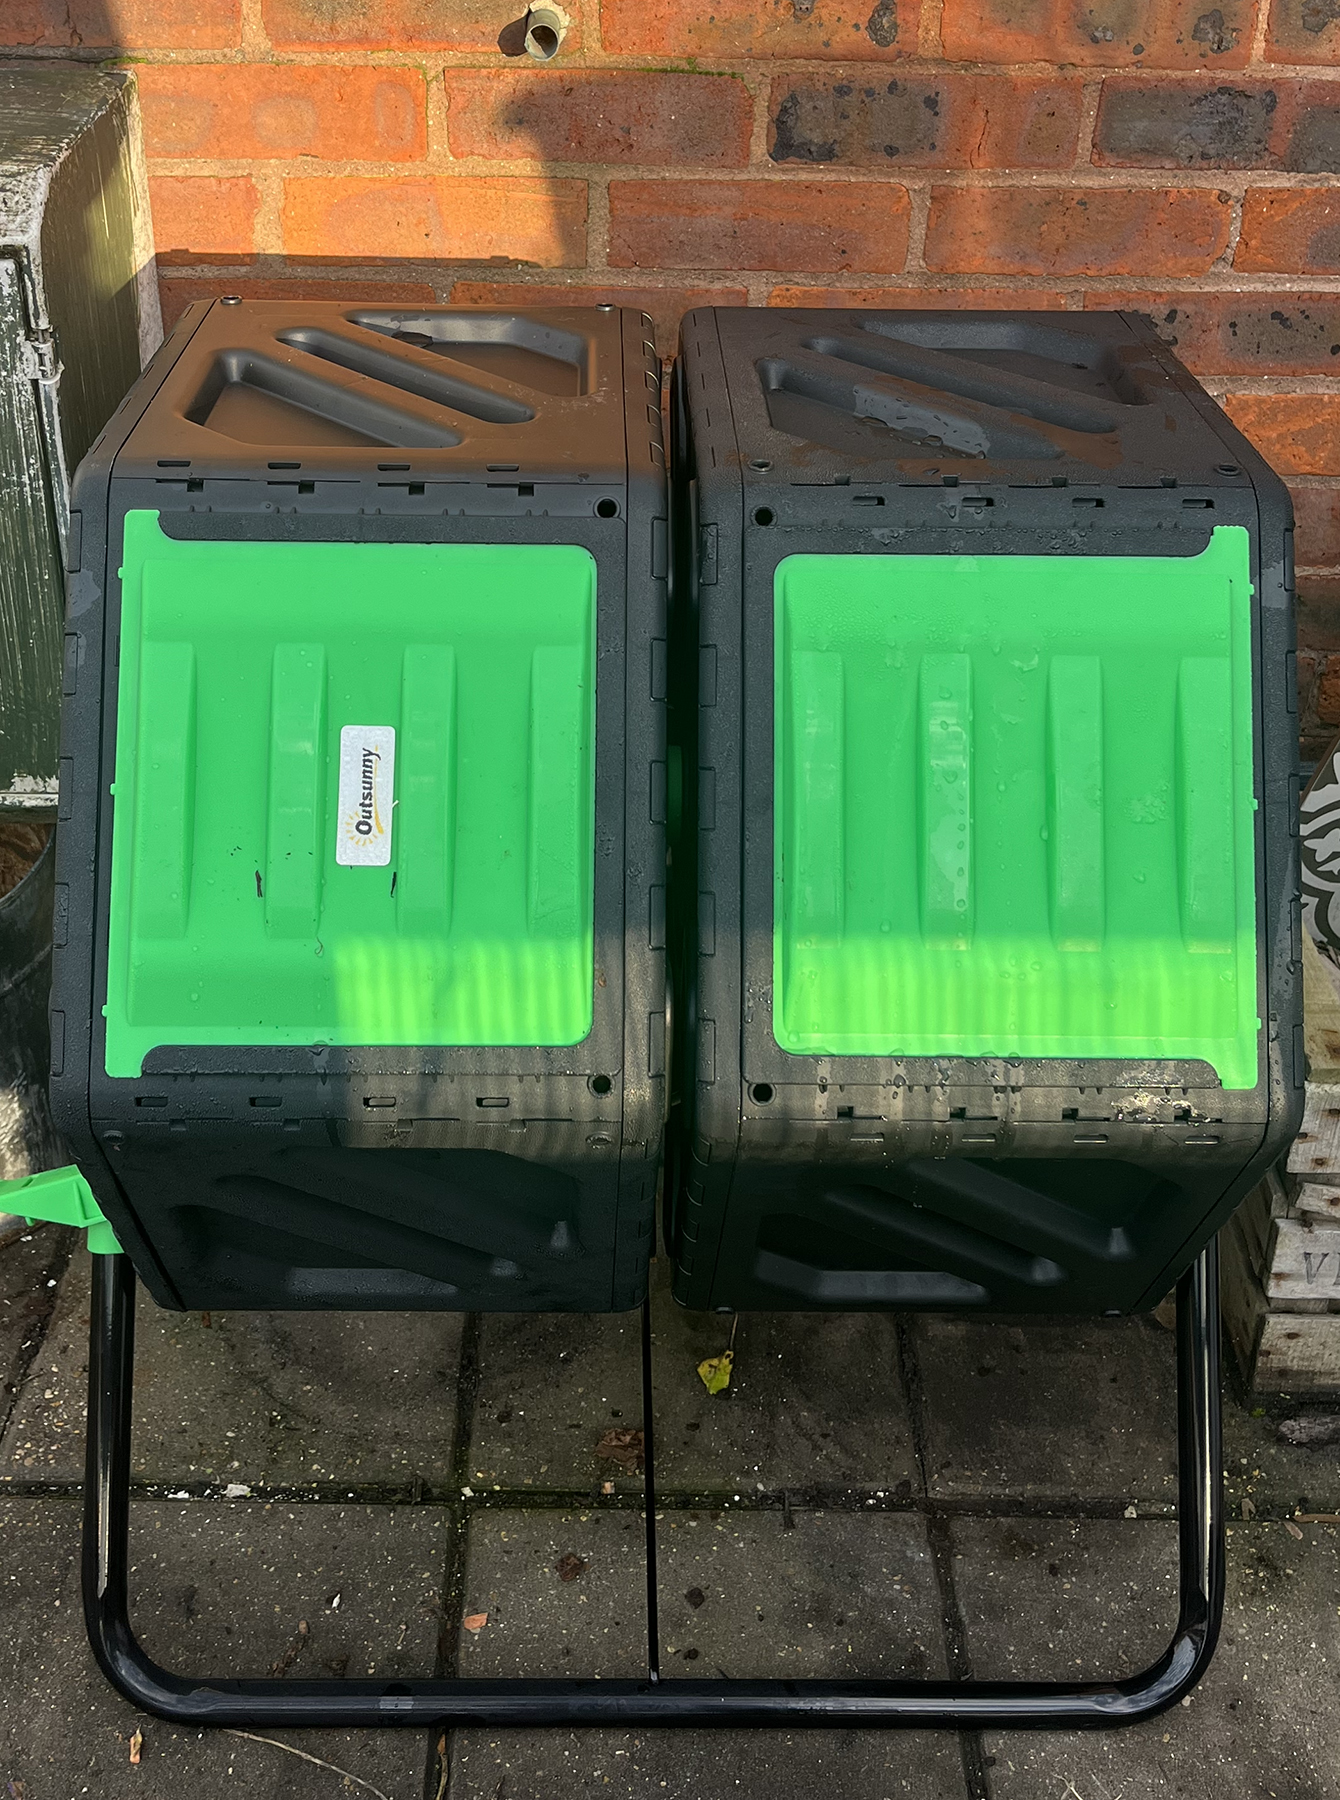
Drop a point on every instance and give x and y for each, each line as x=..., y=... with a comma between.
x=990, y=843
x=359, y=994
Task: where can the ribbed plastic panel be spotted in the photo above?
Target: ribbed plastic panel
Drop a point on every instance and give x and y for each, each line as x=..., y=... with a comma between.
x=1014, y=807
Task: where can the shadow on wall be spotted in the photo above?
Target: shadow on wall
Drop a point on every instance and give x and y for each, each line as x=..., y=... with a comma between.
x=344, y=179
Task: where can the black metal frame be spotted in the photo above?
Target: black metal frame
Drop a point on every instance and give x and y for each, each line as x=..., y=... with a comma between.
x=649, y=1700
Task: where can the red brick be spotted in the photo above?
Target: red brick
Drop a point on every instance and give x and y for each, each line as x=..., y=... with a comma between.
x=460, y=218
x=203, y=218
x=819, y=29
x=176, y=292
x=277, y=109
x=1086, y=231
x=1316, y=512
x=1303, y=31
x=1327, y=699
x=1241, y=334
x=813, y=226
x=1289, y=231
x=858, y=116
x=667, y=306
x=1299, y=434
x=1143, y=123
x=125, y=25
x=1318, y=662
x=1319, y=614
x=1162, y=34
x=395, y=24
x=623, y=116
x=904, y=298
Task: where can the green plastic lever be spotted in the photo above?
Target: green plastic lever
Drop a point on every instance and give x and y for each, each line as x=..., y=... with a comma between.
x=60, y=1197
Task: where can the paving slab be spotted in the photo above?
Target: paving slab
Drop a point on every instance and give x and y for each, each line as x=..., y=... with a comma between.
x=555, y=1594
x=1065, y=1599
x=815, y=1401
x=1264, y=1722
x=1048, y=1409
x=65, y=1734
x=741, y=1594
x=1273, y=1476
x=231, y=1584
x=551, y=1386
x=295, y=1397
x=706, y=1765
x=31, y=1263
x=259, y=1398
x=44, y=1438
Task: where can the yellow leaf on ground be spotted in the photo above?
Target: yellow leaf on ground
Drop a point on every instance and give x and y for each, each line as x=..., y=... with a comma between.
x=136, y=1745
x=475, y=1621
x=715, y=1372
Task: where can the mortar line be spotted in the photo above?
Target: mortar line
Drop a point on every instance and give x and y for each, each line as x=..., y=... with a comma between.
x=857, y=1501
x=649, y=1496
x=453, y=1573
x=972, y=1752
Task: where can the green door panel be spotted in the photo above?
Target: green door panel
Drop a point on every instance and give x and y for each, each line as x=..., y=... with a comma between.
x=235, y=916
x=1014, y=807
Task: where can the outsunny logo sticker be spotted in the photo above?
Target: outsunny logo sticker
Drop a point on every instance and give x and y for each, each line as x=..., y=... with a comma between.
x=367, y=787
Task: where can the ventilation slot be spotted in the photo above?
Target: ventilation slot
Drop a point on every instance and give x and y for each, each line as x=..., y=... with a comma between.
x=256, y=400
x=812, y=396
x=435, y=385
x=523, y=352
x=1049, y=358
x=949, y=374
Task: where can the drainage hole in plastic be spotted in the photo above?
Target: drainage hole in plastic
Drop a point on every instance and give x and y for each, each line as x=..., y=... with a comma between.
x=607, y=509
x=763, y=515
x=761, y=1093
x=601, y=1084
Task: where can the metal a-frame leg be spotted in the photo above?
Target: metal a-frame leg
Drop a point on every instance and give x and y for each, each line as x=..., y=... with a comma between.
x=252, y=1702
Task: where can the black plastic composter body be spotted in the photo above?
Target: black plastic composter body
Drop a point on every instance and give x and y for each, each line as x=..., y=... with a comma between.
x=986, y=705
x=359, y=990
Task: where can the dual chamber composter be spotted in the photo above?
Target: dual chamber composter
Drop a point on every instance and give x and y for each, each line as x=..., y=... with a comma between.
x=872, y=834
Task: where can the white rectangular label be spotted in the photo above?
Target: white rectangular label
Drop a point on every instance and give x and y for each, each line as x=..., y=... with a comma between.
x=367, y=788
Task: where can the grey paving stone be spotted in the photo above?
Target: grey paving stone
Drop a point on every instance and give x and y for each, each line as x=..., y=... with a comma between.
x=1062, y=1599
x=295, y=1397
x=1049, y=1408
x=44, y=1439
x=65, y=1734
x=551, y=1385
x=1277, y=1478
x=538, y=1623
x=261, y=1398
x=815, y=1401
x=837, y=1594
x=30, y=1264
x=706, y=1765
x=1263, y=1723
x=231, y=1583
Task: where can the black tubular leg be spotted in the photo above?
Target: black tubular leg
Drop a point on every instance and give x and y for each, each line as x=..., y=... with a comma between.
x=644, y=1702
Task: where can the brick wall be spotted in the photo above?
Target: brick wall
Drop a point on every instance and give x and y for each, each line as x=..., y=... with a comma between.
x=1177, y=156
